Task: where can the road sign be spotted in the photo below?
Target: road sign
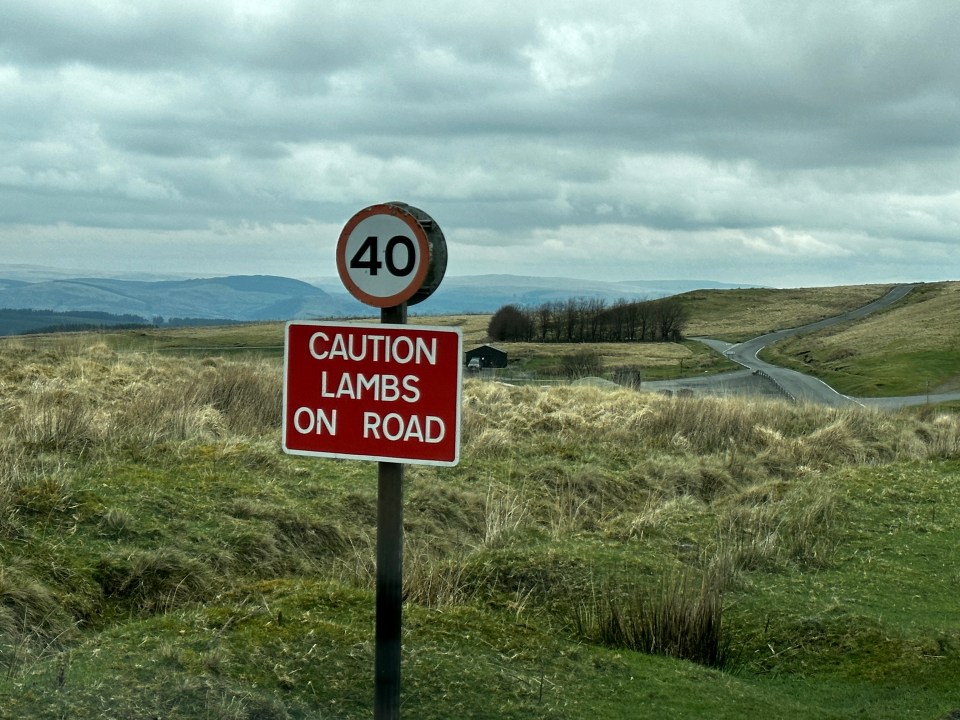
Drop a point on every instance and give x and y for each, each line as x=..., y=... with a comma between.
x=390, y=254
x=373, y=392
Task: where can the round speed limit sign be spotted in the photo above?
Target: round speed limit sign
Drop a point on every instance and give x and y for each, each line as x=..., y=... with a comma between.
x=391, y=254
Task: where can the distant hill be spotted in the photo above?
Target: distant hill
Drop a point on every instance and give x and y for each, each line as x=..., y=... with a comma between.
x=239, y=298
x=22, y=322
x=488, y=293
x=247, y=298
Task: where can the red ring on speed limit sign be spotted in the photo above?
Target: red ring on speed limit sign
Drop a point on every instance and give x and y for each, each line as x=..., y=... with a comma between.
x=383, y=255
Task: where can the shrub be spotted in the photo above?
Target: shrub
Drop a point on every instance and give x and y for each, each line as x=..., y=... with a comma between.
x=581, y=364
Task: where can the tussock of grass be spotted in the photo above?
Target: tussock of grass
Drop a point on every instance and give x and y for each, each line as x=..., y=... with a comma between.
x=33, y=624
x=154, y=580
x=678, y=619
x=757, y=533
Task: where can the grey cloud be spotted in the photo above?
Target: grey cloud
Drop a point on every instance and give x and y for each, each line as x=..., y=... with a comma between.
x=792, y=124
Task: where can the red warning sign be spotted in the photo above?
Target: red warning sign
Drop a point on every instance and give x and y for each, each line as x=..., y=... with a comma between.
x=373, y=392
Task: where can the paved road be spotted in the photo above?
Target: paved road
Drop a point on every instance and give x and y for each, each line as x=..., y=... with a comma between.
x=761, y=377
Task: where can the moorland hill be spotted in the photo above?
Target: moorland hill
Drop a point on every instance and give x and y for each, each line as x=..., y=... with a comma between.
x=595, y=554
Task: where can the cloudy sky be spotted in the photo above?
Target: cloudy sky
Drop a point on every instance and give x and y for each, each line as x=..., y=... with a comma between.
x=778, y=143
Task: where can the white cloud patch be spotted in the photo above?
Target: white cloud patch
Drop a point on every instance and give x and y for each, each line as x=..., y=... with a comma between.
x=571, y=56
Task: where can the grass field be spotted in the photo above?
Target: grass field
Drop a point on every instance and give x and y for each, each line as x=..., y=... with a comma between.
x=909, y=350
x=596, y=554
x=726, y=314
x=738, y=315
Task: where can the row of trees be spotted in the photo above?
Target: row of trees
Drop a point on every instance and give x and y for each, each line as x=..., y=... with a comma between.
x=591, y=320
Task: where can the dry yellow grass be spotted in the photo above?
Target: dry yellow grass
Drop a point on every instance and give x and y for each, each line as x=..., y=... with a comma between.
x=929, y=320
x=743, y=314
x=77, y=397
x=905, y=351
x=91, y=396
x=775, y=434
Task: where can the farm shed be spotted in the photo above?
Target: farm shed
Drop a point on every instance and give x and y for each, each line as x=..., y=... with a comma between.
x=489, y=356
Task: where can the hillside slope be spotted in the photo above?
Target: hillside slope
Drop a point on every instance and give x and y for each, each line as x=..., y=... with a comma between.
x=741, y=314
x=245, y=298
x=908, y=350
x=161, y=557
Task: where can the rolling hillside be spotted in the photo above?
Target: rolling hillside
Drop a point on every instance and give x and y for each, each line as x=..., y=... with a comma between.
x=241, y=298
x=908, y=350
x=161, y=557
x=262, y=297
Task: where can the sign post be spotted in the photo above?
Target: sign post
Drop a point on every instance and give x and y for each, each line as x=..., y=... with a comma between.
x=387, y=393
x=386, y=673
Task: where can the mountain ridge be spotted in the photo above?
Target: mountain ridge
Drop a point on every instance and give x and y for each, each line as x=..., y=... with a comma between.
x=250, y=298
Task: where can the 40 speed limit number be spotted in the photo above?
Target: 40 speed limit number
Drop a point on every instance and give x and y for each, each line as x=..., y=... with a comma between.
x=384, y=254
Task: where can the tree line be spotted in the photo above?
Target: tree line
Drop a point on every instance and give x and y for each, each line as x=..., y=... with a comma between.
x=580, y=320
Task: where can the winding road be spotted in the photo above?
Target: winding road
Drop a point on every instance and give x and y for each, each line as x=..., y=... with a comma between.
x=759, y=377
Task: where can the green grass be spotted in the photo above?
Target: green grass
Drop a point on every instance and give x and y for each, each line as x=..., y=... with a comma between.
x=883, y=375
x=910, y=349
x=160, y=557
x=870, y=631
x=738, y=315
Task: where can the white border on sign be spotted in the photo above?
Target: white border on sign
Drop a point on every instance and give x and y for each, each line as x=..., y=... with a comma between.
x=379, y=458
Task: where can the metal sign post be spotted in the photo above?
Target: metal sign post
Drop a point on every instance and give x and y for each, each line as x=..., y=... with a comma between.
x=359, y=392
x=389, y=571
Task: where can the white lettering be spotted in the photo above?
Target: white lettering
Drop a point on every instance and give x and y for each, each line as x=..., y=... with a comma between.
x=329, y=423
x=323, y=386
x=403, y=359
x=346, y=387
x=410, y=385
x=380, y=348
x=398, y=421
x=428, y=353
x=305, y=420
x=298, y=423
x=395, y=427
x=338, y=348
x=389, y=390
x=386, y=388
x=413, y=431
x=313, y=345
x=371, y=421
x=368, y=383
x=436, y=424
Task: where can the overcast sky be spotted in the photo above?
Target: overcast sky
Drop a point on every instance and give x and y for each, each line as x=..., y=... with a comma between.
x=777, y=143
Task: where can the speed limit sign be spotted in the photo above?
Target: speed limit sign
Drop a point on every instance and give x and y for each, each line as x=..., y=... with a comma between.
x=390, y=254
